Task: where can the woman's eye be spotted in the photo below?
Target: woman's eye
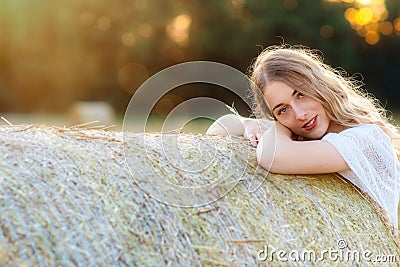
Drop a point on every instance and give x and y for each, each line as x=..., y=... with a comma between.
x=300, y=95
x=282, y=110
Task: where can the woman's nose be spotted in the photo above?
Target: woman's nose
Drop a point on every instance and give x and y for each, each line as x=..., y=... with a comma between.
x=300, y=113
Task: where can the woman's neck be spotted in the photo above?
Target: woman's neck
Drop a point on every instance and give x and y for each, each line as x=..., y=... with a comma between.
x=336, y=128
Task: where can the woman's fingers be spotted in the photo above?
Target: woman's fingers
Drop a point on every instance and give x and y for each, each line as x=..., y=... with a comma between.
x=253, y=130
x=253, y=140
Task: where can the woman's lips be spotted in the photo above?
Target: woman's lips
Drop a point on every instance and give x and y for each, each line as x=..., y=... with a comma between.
x=310, y=124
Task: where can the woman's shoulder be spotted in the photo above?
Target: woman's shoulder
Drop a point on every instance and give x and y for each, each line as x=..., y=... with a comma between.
x=363, y=129
x=364, y=133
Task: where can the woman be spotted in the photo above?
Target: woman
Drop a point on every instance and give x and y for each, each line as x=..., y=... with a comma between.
x=323, y=123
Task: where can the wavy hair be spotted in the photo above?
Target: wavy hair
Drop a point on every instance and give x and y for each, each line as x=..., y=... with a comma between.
x=343, y=98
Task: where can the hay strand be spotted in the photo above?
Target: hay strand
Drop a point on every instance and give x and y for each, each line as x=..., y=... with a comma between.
x=6, y=121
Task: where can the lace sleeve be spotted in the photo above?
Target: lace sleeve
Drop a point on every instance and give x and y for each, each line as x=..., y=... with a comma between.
x=374, y=166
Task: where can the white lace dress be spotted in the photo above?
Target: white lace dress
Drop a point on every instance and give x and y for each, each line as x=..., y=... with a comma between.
x=375, y=169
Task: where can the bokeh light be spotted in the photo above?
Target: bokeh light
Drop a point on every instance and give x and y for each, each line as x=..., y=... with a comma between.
x=397, y=25
x=290, y=4
x=178, y=29
x=146, y=30
x=104, y=23
x=386, y=28
x=326, y=31
x=368, y=19
x=128, y=39
x=239, y=3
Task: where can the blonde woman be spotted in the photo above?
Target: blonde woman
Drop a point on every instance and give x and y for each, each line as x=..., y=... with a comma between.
x=318, y=121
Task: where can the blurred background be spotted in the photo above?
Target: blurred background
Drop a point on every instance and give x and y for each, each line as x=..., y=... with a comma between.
x=68, y=62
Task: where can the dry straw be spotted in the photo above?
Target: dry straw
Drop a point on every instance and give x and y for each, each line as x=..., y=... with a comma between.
x=67, y=199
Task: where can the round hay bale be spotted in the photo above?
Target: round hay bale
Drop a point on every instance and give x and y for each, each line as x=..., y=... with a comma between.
x=67, y=198
x=87, y=111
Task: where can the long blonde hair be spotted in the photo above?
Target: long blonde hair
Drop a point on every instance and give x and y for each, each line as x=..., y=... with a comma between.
x=303, y=69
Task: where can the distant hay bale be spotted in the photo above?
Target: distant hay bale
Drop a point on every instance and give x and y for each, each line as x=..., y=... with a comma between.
x=88, y=111
x=67, y=198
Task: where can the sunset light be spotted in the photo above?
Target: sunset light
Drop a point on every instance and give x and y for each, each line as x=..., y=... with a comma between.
x=369, y=18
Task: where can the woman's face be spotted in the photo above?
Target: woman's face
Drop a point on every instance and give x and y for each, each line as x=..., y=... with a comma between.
x=300, y=113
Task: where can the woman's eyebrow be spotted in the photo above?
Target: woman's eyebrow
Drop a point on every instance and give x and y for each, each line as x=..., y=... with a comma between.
x=277, y=106
x=280, y=104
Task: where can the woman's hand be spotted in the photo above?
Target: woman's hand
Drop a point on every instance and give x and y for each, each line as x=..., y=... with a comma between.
x=254, y=129
x=251, y=129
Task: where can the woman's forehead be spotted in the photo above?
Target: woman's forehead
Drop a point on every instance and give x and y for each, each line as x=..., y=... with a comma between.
x=277, y=93
x=277, y=90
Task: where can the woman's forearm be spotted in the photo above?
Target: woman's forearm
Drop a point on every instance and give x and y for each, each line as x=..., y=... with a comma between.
x=266, y=149
x=252, y=129
x=273, y=145
x=230, y=124
x=279, y=153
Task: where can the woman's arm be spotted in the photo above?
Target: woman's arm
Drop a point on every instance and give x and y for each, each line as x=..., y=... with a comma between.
x=228, y=124
x=278, y=153
x=232, y=124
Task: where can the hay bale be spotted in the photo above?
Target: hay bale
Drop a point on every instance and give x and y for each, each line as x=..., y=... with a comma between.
x=87, y=111
x=67, y=198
